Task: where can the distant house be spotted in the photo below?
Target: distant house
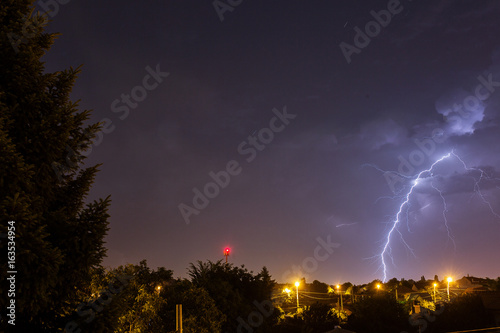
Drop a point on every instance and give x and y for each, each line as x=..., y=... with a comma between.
x=470, y=282
x=419, y=285
x=476, y=290
x=415, y=299
x=419, y=297
x=404, y=292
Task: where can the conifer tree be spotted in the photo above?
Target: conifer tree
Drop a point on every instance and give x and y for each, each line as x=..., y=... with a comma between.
x=59, y=239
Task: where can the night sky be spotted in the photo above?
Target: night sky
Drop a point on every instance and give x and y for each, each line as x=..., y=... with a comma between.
x=300, y=109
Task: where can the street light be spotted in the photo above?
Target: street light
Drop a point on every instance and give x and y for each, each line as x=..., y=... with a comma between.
x=158, y=288
x=378, y=287
x=341, y=304
x=435, y=284
x=297, y=286
x=449, y=279
x=286, y=290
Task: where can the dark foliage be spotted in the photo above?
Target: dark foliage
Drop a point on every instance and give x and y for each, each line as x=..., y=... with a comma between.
x=43, y=186
x=319, y=318
x=243, y=297
x=466, y=312
x=378, y=314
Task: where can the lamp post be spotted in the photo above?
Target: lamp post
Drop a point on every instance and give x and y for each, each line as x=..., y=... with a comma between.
x=378, y=288
x=297, y=287
x=449, y=279
x=435, y=284
x=341, y=304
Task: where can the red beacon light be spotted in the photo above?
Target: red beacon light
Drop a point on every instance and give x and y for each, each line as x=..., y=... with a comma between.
x=226, y=252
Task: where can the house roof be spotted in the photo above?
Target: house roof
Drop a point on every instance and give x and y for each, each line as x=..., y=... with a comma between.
x=476, y=289
x=404, y=290
x=472, y=280
x=415, y=296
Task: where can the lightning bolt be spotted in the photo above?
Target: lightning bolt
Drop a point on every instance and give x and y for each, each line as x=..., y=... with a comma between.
x=386, y=249
x=445, y=218
x=404, y=207
x=477, y=188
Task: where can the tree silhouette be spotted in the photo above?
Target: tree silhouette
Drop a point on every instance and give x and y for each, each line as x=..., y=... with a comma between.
x=199, y=311
x=238, y=294
x=43, y=185
x=319, y=317
x=378, y=314
x=466, y=312
x=319, y=287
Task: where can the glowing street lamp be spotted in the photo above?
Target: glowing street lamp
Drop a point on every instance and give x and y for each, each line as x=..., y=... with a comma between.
x=158, y=288
x=449, y=279
x=286, y=290
x=297, y=286
x=378, y=287
x=226, y=253
x=435, y=284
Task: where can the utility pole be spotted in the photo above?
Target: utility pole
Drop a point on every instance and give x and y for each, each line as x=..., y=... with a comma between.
x=297, y=292
x=449, y=279
x=178, y=318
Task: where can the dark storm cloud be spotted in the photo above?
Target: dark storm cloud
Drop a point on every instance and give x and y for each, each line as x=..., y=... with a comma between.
x=446, y=16
x=464, y=111
x=377, y=134
x=226, y=78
